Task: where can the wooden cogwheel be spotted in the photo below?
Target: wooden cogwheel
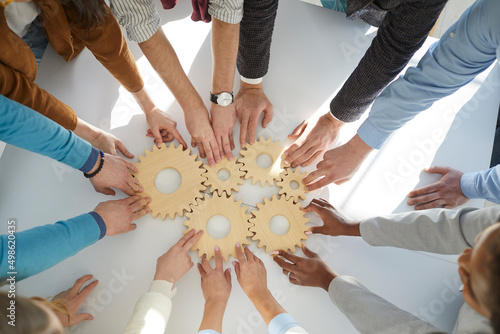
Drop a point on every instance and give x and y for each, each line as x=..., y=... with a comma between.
x=262, y=230
x=288, y=178
x=191, y=184
x=252, y=169
x=233, y=211
x=219, y=185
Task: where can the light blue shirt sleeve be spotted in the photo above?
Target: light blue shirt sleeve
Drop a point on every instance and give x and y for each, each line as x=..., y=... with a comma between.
x=468, y=48
x=484, y=184
x=208, y=331
x=284, y=323
x=25, y=128
x=42, y=247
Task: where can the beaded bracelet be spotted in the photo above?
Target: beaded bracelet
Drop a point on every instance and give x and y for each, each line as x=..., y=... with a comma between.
x=88, y=176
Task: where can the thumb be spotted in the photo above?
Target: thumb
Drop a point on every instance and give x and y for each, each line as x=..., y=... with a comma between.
x=106, y=191
x=156, y=133
x=237, y=269
x=316, y=229
x=227, y=275
x=307, y=252
x=268, y=116
x=298, y=130
x=79, y=317
x=437, y=170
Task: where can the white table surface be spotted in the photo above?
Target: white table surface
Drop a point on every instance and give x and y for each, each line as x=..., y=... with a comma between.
x=313, y=52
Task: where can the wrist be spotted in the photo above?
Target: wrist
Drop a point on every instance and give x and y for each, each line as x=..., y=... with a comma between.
x=329, y=277
x=353, y=229
x=96, y=165
x=216, y=304
x=94, y=171
x=259, y=296
x=246, y=85
x=333, y=121
x=358, y=146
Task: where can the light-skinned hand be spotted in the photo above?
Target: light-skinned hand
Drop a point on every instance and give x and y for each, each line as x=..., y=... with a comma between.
x=162, y=128
x=223, y=120
x=215, y=283
x=312, y=138
x=334, y=222
x=338, y=165
x=176, y=262
x=445, y=193
x=251, y=272
x=202, y=135
x=108, y=143
x=310, y=271
x=250, y=103
x=72, y=299
x=118, y=215
x=115, y=173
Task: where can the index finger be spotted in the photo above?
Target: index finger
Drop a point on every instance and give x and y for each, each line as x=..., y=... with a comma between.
x=130, y=166
x=218, y=259
x=290, y=257
x=179, y=138
x=431, y=188
x=182, y=241
x=243, y=131
x=239, y=253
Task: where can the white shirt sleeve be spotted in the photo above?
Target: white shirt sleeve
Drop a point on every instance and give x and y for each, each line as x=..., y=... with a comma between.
x=152, y=310
x=229, y=11
x=140, y=18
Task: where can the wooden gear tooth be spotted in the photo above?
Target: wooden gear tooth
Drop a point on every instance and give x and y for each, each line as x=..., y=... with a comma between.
x=191, y=184
x=289, y=176
x=231, y=184
x=249, y=161
x=233, y=211
x=262, y=230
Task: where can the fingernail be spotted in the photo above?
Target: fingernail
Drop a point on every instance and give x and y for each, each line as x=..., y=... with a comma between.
x=141, y=189
x=234, y=263
x=293, y=165
x=286, y=161
x=308, y=233
x=275, y=252
x=216, y=248
x=307, y=187
x=229, y=269
x=91, y=318
x=237, y=244
x=199, y=232
x=148, y=199
x=146, y=209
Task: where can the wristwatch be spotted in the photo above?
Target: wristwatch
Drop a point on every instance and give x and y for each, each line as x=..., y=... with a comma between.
x=223, y=99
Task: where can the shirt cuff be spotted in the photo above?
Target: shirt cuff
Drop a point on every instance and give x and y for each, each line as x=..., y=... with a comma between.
x=208, y=331
x=91, y=161
x=281, y=323
x=371, y=136
x=226, y=11
x=100, y=223
x=468, y=185
x=164, y=287
x=252, y=81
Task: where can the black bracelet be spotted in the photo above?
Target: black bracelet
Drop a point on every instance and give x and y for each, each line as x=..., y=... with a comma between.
x=88, y=176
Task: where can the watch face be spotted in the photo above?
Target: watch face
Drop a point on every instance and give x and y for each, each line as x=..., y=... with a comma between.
x=224, y=99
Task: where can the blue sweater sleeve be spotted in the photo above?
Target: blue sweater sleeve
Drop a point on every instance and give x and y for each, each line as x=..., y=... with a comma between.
x=468, y=48
x=484, y=184
x=42, y=247
x=25, y=128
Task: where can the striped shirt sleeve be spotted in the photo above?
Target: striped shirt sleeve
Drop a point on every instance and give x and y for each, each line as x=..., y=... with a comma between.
x=140, y=18
x=229, y=11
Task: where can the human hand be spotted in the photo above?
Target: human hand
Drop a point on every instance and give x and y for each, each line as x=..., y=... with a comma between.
x=445, y=193
x=334, y=223
x=118, y=215
x=115, y=173
x=223, y=120
x=250, y=102
x=338, y=165
x=176, y=262
x=198, y=125
x=72, y=299
x=251, y=273
x=312, y=139
x=110, y=144
x=310, y=271
x=162, y=128
x=215, y=283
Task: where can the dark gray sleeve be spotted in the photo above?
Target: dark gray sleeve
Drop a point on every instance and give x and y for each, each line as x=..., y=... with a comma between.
x=437, y=230
x=256, y=32
x=401, y=34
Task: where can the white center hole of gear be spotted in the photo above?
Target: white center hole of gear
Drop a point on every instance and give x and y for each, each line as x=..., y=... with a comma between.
x=223, y=174
x=218, y=226
x=279, y=225
x=264, y=161
x=294, y=185
x=168, y=181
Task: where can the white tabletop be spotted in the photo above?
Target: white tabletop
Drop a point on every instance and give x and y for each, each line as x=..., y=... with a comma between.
x=313, y=52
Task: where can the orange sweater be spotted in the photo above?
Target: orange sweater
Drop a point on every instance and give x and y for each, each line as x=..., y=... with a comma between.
x=18, y=66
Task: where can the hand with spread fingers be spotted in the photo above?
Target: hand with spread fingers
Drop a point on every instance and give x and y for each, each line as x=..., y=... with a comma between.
x=445, y=193
x=162, y=128
x=72, y=299
x=108, y=143
x=176, y=262
x=216, y=287
x=309, y=271
x=339, y=164
x=312, y=139
x=118, y=215
x=115, y=173
x=202, y=135
x=250, y=103
x=334, y=222
x=223, y=121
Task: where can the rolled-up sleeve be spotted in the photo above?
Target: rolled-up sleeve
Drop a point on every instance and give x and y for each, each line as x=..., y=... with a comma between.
x=229, y=11
x=140, y=18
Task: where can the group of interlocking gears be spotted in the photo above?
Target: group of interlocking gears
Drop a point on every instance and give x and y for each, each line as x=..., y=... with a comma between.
x=200, y=207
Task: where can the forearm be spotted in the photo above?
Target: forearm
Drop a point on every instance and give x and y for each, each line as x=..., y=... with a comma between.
x=267, y=306
x=436, y=230
x=163, y=59
x=401, y=34
x=372, y=314
x=42, y=247
x=144, y=101
x=224, y=50
x=213, y=314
